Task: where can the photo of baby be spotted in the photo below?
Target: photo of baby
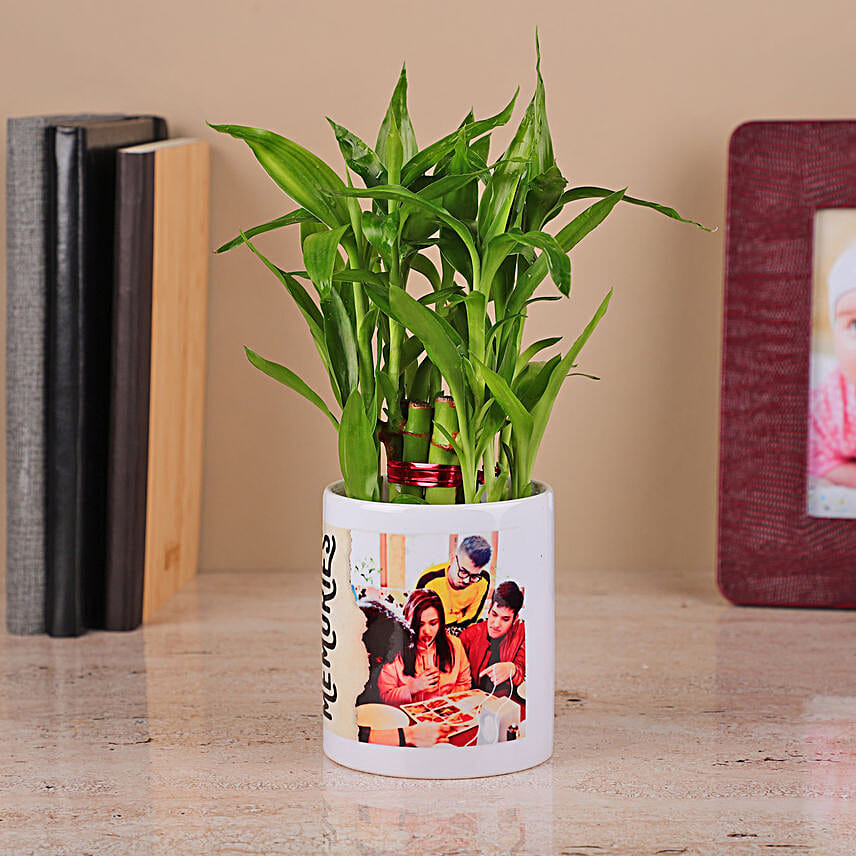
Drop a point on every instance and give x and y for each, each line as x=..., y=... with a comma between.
x=832, y=409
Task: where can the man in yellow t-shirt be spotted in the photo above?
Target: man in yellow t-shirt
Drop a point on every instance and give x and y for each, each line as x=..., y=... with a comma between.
x=462, y=584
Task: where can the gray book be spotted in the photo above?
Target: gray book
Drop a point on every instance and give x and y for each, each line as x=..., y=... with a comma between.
x=26, y=249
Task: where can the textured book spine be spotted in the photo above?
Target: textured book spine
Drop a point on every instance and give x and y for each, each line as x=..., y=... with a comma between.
x=64, y=602
x=25, y=339
x=129, y=418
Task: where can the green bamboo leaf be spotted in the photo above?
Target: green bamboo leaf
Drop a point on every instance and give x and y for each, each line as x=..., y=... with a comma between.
x=494, y=421
x=544, y=407
x=341, y=344
x=442, y=165
x=497, y=328
x=482, y=414
x=543, y=298
x=381, y=231
x=389, y=390
x=496, y=202
x=542, y=155
x=513, y=240
x=379, y=279
x=521, y=419
x=422, y=161
x=453, y=441
x=413, y=346
x=476, y=306
x=531, y=384
x=481, y=149
x=536, y=347
x=509, y=347
x=378, y=293
x=310, y=227
x=422, y=382
x=435, y=335
x=368, y=324
x=544, y=193
x=503, y=283
x=424, y=265
x=397, y=113
x=290, y=379
x=558, y=262
x=320, y=251
x=401, y=194
x=298, y=172
x=442, y=294
x=567, y=238
x=365, y=335
x=394, y=154
x=576, y=193
x=348, y=299
x=538, y=192
x=462, y=202
x=454, y=252
x=358, y=451
x=301, y=215
x=410, y=351
x=359, y=156
x=449, y=185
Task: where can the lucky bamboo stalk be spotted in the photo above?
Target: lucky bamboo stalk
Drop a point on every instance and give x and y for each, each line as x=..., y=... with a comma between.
x=441, y=451
x=417, y=439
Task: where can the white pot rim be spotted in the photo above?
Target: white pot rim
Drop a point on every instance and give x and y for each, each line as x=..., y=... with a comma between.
x=334, y=494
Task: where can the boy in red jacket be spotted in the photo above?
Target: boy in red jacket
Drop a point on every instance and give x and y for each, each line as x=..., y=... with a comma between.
x=496, y=647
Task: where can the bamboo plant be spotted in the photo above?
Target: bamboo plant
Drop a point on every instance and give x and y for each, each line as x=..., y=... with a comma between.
x=449, y=366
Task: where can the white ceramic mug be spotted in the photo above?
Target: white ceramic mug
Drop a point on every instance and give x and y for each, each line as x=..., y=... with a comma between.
x=397, y=580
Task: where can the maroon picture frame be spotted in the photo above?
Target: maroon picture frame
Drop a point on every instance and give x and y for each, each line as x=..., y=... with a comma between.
x=770, y=552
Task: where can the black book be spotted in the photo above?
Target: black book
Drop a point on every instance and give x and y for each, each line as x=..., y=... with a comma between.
x=82, y=181
x=159, y=311
x=129, y=421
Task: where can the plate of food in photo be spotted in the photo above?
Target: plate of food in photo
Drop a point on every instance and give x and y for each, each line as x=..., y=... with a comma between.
x=414, y=708
x=448, y=710
x=428, y=717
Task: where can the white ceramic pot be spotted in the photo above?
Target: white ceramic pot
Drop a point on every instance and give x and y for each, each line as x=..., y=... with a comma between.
x=444, y=613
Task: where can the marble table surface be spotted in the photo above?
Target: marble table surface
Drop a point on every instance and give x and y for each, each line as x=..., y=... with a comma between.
x=683, y=726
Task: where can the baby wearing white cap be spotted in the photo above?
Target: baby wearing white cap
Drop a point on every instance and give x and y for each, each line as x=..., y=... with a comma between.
x=832, y=434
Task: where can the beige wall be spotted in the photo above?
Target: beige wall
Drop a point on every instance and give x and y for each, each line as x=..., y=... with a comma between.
x=643, y=94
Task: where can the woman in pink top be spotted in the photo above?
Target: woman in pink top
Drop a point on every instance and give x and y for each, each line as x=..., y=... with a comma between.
x=438, y=664
x=832, y=434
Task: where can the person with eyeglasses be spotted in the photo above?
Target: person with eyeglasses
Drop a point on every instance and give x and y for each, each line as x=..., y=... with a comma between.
x=462, y=583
